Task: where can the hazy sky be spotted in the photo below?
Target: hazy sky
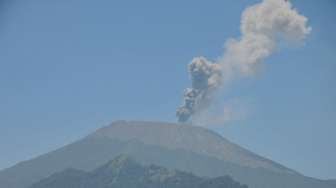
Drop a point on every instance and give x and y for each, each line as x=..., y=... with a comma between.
x=68, y=67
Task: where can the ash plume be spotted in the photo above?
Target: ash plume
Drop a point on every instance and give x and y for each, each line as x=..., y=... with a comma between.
x=263, y=26
x=206, y=77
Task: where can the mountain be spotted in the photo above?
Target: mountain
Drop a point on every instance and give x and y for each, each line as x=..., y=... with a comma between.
x=173, y=146
x=188, y=138
x=124, y=172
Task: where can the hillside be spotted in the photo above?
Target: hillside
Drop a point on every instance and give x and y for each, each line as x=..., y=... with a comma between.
x=124, y=172
x=173, y=146
x=188, y=138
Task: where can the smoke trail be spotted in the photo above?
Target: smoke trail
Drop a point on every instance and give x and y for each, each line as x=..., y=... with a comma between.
x=263, y=26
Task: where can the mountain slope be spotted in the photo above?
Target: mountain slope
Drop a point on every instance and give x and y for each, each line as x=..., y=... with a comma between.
x=124, y=172
x=187, y=148
x=189, y=138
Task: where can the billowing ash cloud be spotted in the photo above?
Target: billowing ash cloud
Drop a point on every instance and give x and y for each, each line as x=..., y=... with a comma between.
x=263, y=26
x=206, y=77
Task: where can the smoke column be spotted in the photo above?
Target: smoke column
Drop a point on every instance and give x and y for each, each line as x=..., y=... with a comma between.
x=263, y=26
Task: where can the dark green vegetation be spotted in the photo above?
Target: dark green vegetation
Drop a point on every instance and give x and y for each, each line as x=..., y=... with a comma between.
x=123, y=172
x=173, y=146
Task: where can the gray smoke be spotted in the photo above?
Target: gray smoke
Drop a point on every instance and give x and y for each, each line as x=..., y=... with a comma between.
x=206, y=77
x=263, y=26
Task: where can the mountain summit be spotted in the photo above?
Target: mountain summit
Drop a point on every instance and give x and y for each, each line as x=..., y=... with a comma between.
x=189, y=138
x=173, y=146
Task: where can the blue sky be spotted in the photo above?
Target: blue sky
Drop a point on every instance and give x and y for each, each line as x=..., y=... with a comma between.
x=69, y=67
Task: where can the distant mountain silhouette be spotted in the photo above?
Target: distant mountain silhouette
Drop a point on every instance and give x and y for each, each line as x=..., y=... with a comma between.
x=173, y=146
x=124, y=172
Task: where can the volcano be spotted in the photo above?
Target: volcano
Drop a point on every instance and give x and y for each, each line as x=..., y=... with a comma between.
x=173, y=146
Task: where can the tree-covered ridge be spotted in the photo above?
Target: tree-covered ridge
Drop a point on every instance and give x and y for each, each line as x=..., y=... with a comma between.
x=124, y=172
